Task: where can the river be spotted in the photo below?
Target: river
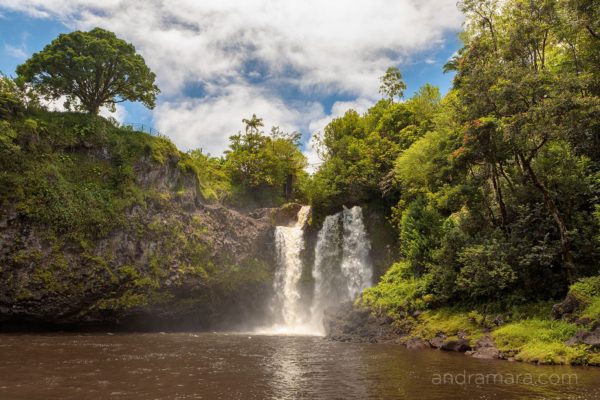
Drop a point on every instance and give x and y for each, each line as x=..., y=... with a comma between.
x=247, y=366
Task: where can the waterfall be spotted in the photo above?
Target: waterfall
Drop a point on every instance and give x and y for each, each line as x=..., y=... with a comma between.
x=356, y=265
x=341, y=270
x=289, y=243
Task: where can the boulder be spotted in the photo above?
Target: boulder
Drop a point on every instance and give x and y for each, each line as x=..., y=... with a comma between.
x=582, y=337
x=437, y=341
x=347, y=323
x=417, y=344
x=487, y=353
x=285, y=215
x=485, y=348
x=565, y=308
x=460, y=345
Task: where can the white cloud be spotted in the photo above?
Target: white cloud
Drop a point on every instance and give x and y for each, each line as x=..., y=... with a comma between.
x=15, y=51
x=242, y=53
x=209, y=122
x=119, y=114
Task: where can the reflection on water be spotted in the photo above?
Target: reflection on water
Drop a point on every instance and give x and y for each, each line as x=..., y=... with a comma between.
x=242, y=366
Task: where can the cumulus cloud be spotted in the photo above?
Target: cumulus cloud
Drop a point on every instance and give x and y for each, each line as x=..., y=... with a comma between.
x=247, y=56
x=208, y=122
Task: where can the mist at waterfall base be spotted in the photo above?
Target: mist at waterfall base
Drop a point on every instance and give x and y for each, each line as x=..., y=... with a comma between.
x=341, y=270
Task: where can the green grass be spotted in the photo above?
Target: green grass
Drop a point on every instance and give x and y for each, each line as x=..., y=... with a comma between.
x=585, y=289
x=553, y=353
x=592, y=310
x=540, y=341
x=587, y=292
x=515, y=335
x=594, y=359
x=395, y=293
x=449, y=322
x=528, y=333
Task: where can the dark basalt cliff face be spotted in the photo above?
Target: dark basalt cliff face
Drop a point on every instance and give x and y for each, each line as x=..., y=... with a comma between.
x=173, y=260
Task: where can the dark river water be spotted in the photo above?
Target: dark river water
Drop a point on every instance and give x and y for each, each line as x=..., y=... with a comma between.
x=246, y=366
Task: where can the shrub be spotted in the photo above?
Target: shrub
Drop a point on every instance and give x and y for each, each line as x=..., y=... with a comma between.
x=397, y=292
x=485, y=273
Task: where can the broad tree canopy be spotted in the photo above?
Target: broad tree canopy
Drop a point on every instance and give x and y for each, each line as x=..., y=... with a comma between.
x=91, y=69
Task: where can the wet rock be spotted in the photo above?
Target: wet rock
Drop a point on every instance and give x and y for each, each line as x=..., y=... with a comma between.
x=583, y=337
x=485, y=348
x=349, y=324
x=417, y=344
x=285, y=215
x=437, y=341
x=142, y=270
x=576, y=339
x=460, y=345
x=487, y=353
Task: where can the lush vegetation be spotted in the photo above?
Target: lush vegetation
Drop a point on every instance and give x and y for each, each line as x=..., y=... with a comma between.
x=494, y=188
x=98, y=217
x=264, y=170
x=90, y=70
x=104, y=218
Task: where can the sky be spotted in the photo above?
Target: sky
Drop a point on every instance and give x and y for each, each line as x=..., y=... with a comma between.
x=295, y=63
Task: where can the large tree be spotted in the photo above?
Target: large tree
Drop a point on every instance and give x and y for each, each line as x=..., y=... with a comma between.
x=90, y=69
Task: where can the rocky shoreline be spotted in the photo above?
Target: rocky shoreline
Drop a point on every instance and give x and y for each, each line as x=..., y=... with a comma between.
x=360, y=325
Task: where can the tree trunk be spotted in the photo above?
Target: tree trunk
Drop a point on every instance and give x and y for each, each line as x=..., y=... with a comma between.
x=499, y=197
x=565, y=243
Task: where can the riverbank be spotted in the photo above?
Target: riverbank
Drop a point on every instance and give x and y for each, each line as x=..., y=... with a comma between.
x=567, y=333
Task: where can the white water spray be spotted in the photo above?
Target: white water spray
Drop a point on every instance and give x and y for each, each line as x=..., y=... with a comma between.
x=341, y=270
x=289, y=243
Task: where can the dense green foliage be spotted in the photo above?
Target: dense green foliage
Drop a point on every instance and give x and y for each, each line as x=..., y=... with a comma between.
x=99, y=217
x=264, y=170
x=90, y=69
x=494, y=189
x=360, y=151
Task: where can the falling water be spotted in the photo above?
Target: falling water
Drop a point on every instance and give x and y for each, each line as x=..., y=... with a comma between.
x=356, y=265
x=341, y=270
x=289, y=243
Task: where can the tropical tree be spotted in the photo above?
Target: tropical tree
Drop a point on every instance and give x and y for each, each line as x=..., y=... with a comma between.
x=392, y=84
x=253, y=124
x=90, y=69
x=264, y=169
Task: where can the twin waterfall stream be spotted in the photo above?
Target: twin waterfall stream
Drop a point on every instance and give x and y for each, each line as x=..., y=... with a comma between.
x=341, y=270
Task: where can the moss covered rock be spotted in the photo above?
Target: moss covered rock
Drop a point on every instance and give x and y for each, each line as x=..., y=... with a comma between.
x=104, y=225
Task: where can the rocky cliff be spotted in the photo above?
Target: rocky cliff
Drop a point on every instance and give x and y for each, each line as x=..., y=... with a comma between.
x=100, y=226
